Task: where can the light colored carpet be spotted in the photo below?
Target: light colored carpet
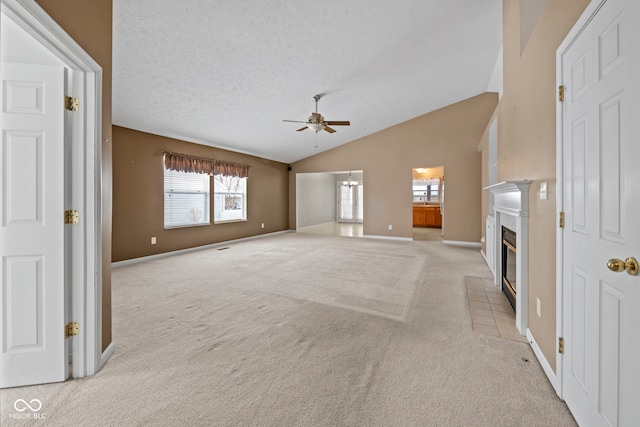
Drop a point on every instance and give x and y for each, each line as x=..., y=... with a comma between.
x=303, y=330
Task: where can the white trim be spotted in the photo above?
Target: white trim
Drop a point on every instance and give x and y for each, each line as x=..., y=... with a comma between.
x=111, y=348
x=85, y=299
x=553, y=379
x=592, y=8
x=559, y=232
x=462, y=244
x=195, y=248
x=511, y=207
x=373, y=236
x=488, y=265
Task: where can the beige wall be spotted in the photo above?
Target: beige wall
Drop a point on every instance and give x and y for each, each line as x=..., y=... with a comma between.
x=89, y=24
x=447, y=137
x=527, y=144
x=138, y=203
x=484, y=147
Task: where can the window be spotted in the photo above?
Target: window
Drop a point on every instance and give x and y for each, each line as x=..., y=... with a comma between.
x=230, y=198
x=426, y=190
x=186, y=187
x=186, y=198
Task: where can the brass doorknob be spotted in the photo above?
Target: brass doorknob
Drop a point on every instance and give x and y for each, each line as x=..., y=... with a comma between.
x=630, y=265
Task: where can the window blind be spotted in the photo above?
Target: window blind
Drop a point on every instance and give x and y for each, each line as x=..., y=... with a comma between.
x=186, y=198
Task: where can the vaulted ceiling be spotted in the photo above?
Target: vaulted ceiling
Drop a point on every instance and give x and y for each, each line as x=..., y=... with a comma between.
x=226, y=73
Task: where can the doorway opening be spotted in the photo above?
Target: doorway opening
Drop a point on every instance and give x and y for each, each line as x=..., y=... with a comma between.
x=427, y=189
x=349, y=201
x=35, y=51
x=330, y=203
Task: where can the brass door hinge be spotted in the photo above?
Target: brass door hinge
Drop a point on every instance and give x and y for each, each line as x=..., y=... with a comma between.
x=70, y=103
x=561, y=345
x=561, y=221
x=561, y=93
x=71, y=217
x=71, y=329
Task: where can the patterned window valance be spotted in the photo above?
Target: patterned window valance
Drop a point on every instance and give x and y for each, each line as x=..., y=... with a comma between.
x=231, y=169
x=187, y=163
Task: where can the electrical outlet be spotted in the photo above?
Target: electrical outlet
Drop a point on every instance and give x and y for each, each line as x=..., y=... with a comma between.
x=262, y=225
x=153, y=240
x=390, y=227
x=538, y=306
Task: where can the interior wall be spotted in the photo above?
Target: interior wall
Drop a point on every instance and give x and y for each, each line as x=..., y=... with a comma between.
x=316, y=198
x=483, y=146
x=89, y=23
x=447, y=137
x=138, y=190
x=527, y=144
x=530, y=11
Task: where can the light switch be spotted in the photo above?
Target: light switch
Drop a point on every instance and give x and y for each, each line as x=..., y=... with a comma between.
x=543, y=191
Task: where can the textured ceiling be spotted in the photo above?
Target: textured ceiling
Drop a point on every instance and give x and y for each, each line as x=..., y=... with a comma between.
x=226, y=73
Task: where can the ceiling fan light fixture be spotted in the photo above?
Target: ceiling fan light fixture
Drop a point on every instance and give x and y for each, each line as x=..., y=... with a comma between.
x=317, y=123
x=316, y=127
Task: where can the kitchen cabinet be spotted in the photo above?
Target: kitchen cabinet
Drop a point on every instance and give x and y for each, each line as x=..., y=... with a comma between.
x=427, y=216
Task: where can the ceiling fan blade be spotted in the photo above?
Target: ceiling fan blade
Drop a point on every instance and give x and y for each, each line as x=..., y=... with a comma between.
x=298, y=130
x=339, y=123
x=294, y=121
x=328, y=129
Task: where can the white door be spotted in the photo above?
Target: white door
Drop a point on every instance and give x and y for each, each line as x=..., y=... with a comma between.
x=601, y=152
x=32, y=298
x=350, y=208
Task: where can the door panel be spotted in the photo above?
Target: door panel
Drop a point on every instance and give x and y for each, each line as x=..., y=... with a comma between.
x=610, y=170
x=350, y=207
x=600, y=133
x=31, y=225
x=610, y=303
x=578, y=322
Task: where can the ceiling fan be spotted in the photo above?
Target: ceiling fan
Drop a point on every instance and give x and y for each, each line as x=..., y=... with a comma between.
x=317, y=123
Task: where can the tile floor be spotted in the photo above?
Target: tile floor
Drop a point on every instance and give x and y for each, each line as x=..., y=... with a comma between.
x=344, y=229
x=491, y=312
x=347, y=229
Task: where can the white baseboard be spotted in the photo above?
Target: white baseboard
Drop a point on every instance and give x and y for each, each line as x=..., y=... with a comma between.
x=460, y=243
x=485, y=259
x=404, y=239
x=111, y=348
x=196, y=248
x=316, y=225
x=553, y=379
x=488, y=265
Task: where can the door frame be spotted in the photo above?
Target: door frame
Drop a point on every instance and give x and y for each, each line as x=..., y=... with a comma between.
x=355, y=220
x=85, y=138
x=592, y=8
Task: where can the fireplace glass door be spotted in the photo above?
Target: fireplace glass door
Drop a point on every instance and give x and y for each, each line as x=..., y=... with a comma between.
x=509, y=265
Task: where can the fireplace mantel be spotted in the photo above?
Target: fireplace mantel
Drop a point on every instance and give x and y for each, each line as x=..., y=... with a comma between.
x=511, y=209
x=511, y=197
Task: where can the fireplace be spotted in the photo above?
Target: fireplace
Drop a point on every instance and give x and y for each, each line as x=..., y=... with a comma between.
x=511, y=262
x=509, y=265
